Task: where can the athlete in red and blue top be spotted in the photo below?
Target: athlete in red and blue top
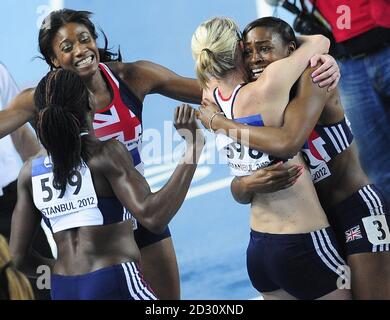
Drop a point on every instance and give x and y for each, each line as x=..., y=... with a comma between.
x=67, y=39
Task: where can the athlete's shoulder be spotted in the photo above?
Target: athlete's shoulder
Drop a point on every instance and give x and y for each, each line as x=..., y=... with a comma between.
x=25, y=172
x=112, y=153
x=24, y=100
x=126, y=69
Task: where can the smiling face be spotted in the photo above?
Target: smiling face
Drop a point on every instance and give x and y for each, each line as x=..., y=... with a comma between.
x=75, y=50
x=262, y=46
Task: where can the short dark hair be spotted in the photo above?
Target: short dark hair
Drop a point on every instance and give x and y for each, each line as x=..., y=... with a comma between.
x=277, y=25
x=56, y=19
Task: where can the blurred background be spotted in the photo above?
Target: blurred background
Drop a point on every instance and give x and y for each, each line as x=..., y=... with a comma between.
x=211, y=231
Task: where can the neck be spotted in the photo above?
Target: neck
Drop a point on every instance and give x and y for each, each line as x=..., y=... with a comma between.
x=231, y=81
x=96, y=83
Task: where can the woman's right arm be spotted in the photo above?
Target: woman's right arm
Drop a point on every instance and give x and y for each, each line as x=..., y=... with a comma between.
x=300, y=117
x=154, y=210
x=20, y=110
x=25, y=222
x=280, y=76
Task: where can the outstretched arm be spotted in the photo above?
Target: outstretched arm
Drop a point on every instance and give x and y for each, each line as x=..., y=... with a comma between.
x=158, y=79
x=154, y=210
x=300, y=117
x=25, y=223
x=25, y=142
x=17, y=113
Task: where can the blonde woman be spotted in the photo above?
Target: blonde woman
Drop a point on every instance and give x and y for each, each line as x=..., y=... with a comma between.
x=292, y=252
x=13, y=284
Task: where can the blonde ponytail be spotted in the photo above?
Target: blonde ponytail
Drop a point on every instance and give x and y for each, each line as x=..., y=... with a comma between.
x=214, y=45
x=14, y=285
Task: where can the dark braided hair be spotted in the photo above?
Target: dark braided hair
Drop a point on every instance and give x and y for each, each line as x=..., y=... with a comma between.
x=62, y=101
x=57, y=19
x=279, y=26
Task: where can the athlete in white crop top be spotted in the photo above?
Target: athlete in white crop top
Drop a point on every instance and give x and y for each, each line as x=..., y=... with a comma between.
x=77, y=192
x=356, y=209
x=281, y=216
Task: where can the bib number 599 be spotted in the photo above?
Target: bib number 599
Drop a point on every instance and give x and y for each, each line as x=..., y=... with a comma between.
x=74, y=180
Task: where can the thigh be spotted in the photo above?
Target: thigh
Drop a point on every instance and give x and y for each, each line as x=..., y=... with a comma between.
x=159, y=267
x=370, y=275
x=339, y=294
x=278, y=295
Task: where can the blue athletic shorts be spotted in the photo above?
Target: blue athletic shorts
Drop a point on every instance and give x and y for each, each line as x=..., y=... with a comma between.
x=119, y=282
x=143, y=237
x=307, y=266
x=361, y=222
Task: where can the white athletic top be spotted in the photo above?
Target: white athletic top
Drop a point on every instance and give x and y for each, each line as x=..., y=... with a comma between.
x=78, y=206
x=241, y=159
x=10, y=161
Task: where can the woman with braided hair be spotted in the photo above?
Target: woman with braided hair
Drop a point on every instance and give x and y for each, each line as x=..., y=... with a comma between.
x=80, y=189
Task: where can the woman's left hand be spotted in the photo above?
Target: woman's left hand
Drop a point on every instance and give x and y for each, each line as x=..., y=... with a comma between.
x=328, y=74
x=206, y=111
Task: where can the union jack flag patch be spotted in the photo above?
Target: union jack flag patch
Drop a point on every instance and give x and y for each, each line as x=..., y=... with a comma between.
x=353, y=234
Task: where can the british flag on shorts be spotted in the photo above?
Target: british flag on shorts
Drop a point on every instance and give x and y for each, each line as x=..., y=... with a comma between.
x=353, y=234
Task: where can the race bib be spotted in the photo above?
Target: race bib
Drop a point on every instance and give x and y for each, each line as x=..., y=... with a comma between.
x=316, y=157
x=377, y=229
x=79, y=193
x=241, y=159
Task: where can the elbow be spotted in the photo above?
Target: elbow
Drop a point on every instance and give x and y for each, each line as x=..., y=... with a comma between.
x=153, y=224
x=286, y=149
x=239, y=193
x=324, y=43
x=247, y=200
x=18, y=260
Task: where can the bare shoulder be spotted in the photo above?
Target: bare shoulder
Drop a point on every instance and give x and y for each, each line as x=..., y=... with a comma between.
x=139, y=76
x=112, y=154
x=305, y=82
x=136, y=68
x=25, y=98
x=24, y=178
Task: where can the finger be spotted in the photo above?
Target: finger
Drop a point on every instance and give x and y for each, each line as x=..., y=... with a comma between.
x=334, y=84
x=197, y=114
x=273, y=187
x=186, y=114
x=287, y=186
x=274, y=166
x=314, y=60
x=328, y=81
x=320, y=70
x=275, y=175
x=176, y=114
x=326, y=74
x=295, y=176
x=192, y=116
x=295, y=168
x=180, y=114
x=281, y=180
x=288, y=175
